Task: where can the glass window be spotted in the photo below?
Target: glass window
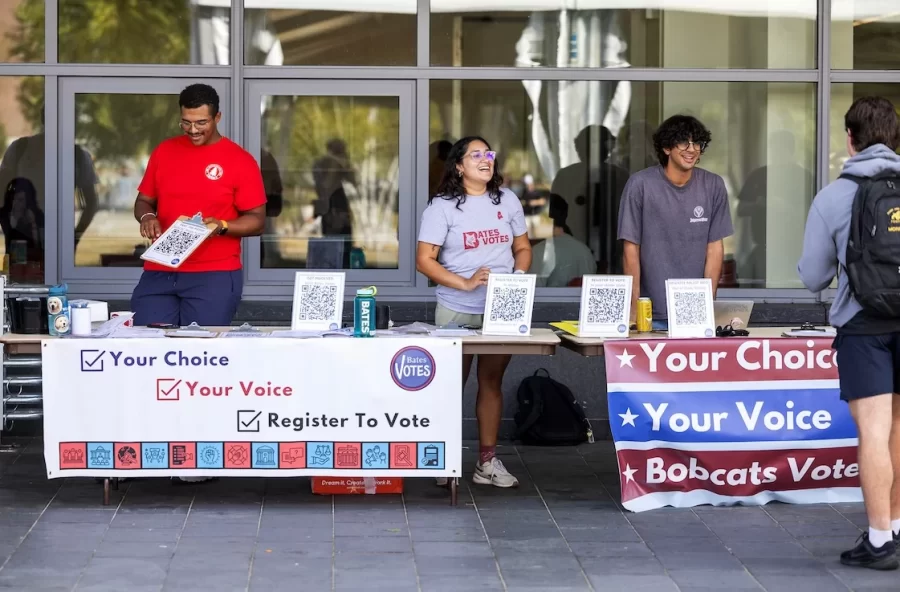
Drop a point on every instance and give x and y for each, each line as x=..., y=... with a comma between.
x=740, y=34
x=842, y=96
x=578, y=142
x=331, y=169
x=24, y=194
x=22, y=31
x=865, y=35
x=114, y=136
x=327, y=36
x=157, y=32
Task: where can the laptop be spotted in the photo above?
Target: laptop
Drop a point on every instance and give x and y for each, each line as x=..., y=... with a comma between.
x=733, y=312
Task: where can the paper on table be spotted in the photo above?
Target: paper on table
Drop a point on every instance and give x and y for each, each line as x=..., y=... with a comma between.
x=191, y=333
x=177, y=243
x=243, y=334
x=444, y=332
x=136, y=333
x=823, y=332
x=295, y=334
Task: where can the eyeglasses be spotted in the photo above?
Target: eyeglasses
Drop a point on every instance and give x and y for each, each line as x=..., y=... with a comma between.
x=478, y=155
x=200, y=125
x=685, y=146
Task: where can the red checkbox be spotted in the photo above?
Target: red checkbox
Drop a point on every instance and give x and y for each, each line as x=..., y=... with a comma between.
x=167, y=389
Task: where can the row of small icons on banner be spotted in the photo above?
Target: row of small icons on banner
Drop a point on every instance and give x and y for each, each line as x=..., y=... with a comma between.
x=251, y=455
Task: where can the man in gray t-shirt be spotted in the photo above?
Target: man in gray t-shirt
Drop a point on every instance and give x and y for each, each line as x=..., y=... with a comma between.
x=673, y=217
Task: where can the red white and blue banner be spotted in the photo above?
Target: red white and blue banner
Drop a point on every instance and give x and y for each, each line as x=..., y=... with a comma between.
x=729, y=421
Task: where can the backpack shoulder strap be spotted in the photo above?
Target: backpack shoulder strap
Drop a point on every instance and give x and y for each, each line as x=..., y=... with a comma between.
x=856, y=179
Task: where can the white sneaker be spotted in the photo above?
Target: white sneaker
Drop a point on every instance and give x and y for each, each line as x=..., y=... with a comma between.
x=494, y=473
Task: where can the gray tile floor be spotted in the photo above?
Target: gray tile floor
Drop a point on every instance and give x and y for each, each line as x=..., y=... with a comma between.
x=561, y=530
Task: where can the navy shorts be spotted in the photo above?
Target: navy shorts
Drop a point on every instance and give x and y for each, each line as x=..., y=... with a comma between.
x=868, y=365
x=208, y=298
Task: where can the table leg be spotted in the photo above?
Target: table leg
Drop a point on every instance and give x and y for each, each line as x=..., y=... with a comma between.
x=106, y=492
x=454, y=490
x=115, y=483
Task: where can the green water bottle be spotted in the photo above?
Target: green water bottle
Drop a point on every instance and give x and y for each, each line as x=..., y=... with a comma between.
x=364, y=312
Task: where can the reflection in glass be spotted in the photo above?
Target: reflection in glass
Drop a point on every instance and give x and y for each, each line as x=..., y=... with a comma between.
x=157, y=32
x=337, y=164
x=22, y=188
x=114, y=136
x=581, y=140
x=733, y=34
x=22, y=31
x=842, y=97
x=865, y=35
x=327, y=37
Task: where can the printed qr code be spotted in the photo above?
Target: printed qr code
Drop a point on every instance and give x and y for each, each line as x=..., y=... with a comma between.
x=606, y=306
x=176, y=243
x=690, y=308
x=317, y=302
x=509, y=304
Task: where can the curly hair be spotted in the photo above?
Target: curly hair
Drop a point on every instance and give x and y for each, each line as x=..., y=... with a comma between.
x=451, y=185
x=197, y=95
x=677, y=129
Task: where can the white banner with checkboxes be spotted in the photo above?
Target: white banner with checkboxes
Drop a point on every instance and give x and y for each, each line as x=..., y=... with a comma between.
x=265, y=407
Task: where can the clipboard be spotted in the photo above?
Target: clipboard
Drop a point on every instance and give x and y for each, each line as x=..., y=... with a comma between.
x=185, y=235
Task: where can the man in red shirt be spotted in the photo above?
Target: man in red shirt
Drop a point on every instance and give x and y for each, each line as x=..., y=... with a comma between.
x=200, y=171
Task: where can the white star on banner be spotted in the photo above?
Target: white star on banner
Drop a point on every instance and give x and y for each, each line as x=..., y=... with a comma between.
x=625, y=359
x=629, y=473
x=628, y=418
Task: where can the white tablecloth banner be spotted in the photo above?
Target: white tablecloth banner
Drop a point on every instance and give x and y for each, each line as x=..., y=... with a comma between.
x=243, y=407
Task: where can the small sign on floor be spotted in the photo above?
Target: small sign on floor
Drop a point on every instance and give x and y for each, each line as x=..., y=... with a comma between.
x=356, y=485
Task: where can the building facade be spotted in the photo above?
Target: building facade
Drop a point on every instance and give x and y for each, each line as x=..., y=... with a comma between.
x=348, y=104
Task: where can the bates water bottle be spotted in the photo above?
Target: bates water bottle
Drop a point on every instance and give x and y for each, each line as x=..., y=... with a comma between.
x=364, y=312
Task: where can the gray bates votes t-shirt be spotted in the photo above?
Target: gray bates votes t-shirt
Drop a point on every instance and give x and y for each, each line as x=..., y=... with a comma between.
x=475, y=235
x=673, y=225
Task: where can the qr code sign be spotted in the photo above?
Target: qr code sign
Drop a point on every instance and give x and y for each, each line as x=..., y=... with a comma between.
x=317, y=302
x=606, y=306
x=690, y=308
x=176, y=243
x=509, y=304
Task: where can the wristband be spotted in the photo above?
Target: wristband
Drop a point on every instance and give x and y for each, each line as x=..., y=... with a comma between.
x=147, y=214
x=519, y=271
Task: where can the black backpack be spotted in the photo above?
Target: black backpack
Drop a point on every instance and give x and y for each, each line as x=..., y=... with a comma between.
x=873, y=248
x=548, y=413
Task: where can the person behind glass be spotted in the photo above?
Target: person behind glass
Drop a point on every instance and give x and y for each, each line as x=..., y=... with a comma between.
x=22, y=220
x=470, y=229
x=673, y=217
x=200, y=171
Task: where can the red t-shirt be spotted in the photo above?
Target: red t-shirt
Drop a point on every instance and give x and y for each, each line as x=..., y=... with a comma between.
x=218, y=180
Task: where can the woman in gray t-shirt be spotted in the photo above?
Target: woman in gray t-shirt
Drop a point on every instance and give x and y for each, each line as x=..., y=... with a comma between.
x=471, y=228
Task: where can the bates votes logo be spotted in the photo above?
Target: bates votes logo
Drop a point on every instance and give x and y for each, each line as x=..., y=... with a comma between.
x=412, y=368
x=214, y=172
x=473, y=240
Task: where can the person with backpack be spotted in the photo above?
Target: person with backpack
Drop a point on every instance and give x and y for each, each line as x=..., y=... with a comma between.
x=471, y=228
x=853, y=231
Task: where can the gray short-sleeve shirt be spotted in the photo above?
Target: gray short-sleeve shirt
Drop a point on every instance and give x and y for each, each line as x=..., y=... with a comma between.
x=476, y=234
x=673, y=225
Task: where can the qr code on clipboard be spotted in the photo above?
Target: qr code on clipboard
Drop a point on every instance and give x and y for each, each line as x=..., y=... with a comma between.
x=317, y=302
x=509, y=304
x=606, y=306
x=690, y=308
x=177, y=242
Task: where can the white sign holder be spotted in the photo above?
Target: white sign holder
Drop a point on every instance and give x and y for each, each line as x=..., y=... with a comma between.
x=605, y=306
x=689, y=305
x=318, y=301
x=509, y=304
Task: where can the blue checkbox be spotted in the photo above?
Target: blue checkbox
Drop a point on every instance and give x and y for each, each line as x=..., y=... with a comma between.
x=431, y=455
x=210, y=455
x=320, y=455
x=375, y=455
x=100, y=455
x=155, y=455
x=264, y=455
x=92, y=360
